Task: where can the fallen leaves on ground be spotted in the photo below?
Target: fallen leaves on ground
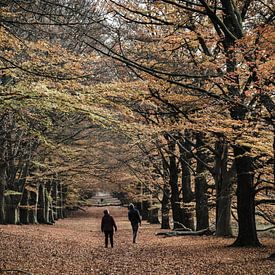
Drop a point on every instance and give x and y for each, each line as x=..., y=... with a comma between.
x=75, y=246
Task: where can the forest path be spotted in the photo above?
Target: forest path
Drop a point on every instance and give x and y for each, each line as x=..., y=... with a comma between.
x=103, y=199
x=75, y=246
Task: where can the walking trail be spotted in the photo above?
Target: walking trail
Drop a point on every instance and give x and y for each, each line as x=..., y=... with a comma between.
x=75, y=246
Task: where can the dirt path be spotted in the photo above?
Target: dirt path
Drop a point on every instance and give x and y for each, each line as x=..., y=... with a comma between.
x=75, y=246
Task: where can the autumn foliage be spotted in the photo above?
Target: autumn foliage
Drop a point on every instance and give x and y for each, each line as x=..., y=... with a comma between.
x=168, y=102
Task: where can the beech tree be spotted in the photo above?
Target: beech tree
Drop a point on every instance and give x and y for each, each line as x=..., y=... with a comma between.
x=209, y=62
x=226, y=58
x=42, y=65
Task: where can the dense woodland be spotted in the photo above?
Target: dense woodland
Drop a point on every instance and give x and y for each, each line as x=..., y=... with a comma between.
x=168, y=103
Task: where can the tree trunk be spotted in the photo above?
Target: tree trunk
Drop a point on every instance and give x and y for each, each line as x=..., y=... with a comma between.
x=223, y=190
x=2, y=172
x=223, y=209
x=24, y=207
x=153, y=216
x=2, y=193
x=145, y=205
x=185, y=160
x=49, y=205
x=33, y=201
x=173, y=181
x=54, y=194
x=202, y=216
x=201, y=188
x=202, y=232
x=165, y=208
x=48, y=216
x=61, y=206
x=41, y=210
x=188, y=217
x=187, y=194
x=247, y=235
x=12, y=206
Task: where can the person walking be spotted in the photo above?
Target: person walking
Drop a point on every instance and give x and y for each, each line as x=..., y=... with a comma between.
x=134, y=218
x=107, y=226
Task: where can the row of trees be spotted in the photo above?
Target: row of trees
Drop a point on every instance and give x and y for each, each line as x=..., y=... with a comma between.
x=209, y=63
x=194, y=171
x=43, y=118
x=25, y=197
x=197, y=101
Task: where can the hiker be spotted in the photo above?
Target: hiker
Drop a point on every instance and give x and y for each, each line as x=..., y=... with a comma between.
x=107, y=226
x=134, y=218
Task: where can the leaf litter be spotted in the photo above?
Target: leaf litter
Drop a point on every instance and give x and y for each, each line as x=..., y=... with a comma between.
x=75, y=246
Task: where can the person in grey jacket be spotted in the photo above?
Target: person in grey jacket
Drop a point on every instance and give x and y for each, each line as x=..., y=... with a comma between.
x=134, y=218
x=107, y=226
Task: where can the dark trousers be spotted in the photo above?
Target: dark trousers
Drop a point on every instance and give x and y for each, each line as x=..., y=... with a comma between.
x=135, y=231
x=109, y=234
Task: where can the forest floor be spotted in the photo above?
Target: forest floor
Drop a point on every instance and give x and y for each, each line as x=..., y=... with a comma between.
x=75, y=246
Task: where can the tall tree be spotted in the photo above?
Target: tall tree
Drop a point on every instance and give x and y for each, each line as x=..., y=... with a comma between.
x=217, y=37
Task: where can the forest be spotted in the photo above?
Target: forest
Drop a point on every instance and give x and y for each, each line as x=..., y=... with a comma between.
x=168, y=104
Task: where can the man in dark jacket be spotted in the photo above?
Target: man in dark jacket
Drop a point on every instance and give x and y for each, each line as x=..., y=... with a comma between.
x=134, y=218
x=107, y=226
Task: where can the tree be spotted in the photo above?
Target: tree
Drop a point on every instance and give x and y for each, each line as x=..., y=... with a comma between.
x=222, y=65
x=206, y=61
x=37, y=50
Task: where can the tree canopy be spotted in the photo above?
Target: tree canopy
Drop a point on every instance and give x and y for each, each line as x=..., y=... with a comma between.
x=175, y=96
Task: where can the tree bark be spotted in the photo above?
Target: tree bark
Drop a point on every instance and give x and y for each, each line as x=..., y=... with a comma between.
x=24, y=207
x=2, y=171
x=49, y=204
x=12, y=208
x=188, y=217
x=185, y=160
x=201, y=187
x=33, y=202
x=247, y=234
x=165, y=208
x=185, y=233
x=54, y=195
x=173, y=181
x=153, y=216
x=41, y=210
x=223, y=190
x=61, y=205
x=2, y=192
x=187, y=194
